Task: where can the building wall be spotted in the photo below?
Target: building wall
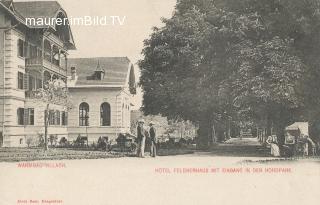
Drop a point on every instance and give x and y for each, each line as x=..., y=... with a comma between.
x=120, y=112
x=3, y=24
x=13, y=98
x=38, y=127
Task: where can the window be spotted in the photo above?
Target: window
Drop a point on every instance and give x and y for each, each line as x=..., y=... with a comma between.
x=26, y=50
x=64, y=118
x=39, y=83
x=57, y=120
x=21, y=49
x=99, y=75
x=33, y=51
x=55, y=55
x=31, y=116
x=84, y=114
x=32, y=83
x=28, y=116
x=20, y=116
x=105, y=114
x=20, y=80
x=51, y=117
x=47, y=50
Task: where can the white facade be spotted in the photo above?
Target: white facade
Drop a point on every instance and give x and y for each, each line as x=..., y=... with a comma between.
x=94, y=97
x=94, y=94
x=22, y=71
x=30, y=58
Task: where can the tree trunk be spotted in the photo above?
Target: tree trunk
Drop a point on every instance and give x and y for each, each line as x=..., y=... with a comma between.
x=46, y=124
x=228, y=129
x=213, y=133
x=279, y=130
x=204, y=134
x=269, y=126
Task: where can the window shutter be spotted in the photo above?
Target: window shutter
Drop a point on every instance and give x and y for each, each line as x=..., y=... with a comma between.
x=31, y=116
x=20, y=48
x=45, y=117
x=26, y=116
x=66, y=118
x=26, y=81
x=58, y=117
x=26, y=49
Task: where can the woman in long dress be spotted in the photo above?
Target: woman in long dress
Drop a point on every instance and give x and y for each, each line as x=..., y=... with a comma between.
x=274, y=148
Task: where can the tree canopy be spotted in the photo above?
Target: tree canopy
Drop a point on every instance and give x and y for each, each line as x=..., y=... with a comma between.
x=254, y=60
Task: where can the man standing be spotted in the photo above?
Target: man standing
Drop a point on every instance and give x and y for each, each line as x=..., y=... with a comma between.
x=141, y=138
x=153, y=137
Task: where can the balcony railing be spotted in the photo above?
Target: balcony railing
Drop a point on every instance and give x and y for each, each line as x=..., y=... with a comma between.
x=57, y=99
x=39, y=61
x=34, y=62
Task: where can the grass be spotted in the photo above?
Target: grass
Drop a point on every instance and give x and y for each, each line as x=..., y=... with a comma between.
x=173, y=152
x=37, y=154
x=34, y=154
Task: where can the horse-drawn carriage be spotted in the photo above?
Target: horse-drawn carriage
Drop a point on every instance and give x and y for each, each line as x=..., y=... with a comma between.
x=297, y=140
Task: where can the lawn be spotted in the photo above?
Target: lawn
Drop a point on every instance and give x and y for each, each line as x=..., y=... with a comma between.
x=35, y=154
x=172, y=152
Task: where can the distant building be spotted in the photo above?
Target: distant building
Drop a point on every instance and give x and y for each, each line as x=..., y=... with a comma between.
x=165, y=128
x=30, y=56
x=101, y=91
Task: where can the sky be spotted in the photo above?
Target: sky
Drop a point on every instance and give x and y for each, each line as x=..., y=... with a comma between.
x=111, y=41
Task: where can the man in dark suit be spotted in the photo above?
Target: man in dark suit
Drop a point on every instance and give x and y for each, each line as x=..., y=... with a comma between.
x=153, y=138
x=141, y=137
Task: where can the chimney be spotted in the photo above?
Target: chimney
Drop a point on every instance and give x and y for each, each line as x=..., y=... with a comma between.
x=73, y=73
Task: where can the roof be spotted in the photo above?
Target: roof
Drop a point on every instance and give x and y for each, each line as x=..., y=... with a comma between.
x=116, y=70
x=36, y=9
x=302, y=126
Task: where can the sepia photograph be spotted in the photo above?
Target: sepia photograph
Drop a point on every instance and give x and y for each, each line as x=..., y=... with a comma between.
x=116, y=102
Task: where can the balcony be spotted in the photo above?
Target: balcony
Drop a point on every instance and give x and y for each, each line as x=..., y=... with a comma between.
x=57, y=99
x=39, y=63
x=34, y=61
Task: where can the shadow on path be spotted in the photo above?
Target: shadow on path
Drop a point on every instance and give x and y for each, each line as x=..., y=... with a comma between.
x=245, y=147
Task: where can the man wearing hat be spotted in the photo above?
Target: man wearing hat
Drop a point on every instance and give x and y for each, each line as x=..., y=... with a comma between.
x=141, y=138
x=153, y=137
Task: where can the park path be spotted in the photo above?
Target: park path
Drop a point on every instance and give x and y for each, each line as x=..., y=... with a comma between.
x=243, y=142
x=245, y=147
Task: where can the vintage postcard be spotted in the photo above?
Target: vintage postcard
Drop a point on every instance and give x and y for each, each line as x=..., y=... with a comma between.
x=159, y=102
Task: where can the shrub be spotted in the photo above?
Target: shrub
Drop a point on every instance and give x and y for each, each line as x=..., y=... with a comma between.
x=29, y=141
x=102, y=143
x=53, y=139
x=40, y=140
x=63, y=142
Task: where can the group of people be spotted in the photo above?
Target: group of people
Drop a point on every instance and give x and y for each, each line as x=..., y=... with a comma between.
x=304, y=141
x=142, y=134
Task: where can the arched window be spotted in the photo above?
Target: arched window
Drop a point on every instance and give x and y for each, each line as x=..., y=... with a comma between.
x=84, y=114
x=105, y=114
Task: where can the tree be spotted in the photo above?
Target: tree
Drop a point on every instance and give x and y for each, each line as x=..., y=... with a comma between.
x=52, y=93
x=253, y=61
